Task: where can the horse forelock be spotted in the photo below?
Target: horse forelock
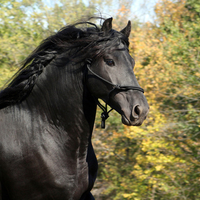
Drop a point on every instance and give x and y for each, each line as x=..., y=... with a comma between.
x=80, y=44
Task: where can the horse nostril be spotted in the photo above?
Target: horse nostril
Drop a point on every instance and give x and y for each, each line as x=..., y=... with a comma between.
x=136, y=111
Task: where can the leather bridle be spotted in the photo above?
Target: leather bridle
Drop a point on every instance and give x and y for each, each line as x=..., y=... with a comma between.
x=104, y=114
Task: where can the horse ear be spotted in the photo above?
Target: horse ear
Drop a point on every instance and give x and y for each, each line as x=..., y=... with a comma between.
x=127, y=30
x=107, y=25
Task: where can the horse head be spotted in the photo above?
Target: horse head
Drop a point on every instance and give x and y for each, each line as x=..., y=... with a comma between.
x=112, y=79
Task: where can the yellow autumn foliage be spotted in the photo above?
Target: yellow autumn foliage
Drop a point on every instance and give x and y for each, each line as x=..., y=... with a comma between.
x=160, y=159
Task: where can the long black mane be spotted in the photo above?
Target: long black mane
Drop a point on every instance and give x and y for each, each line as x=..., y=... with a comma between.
x=78, y=44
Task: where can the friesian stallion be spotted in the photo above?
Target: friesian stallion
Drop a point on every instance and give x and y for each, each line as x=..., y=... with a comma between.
x=47, y=111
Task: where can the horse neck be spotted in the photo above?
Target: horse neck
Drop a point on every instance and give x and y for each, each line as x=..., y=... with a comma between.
x=60, y=95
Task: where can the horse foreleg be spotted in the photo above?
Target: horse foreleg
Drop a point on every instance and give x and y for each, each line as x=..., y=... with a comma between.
x=87, y=196
x=90, y=196
x=3, y=193
x=0, y=192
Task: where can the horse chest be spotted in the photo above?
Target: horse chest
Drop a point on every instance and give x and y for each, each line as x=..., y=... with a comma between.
x=36, y=174
x=44, y=166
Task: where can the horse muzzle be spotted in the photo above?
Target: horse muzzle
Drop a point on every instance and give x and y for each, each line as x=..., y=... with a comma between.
x=136, y=117
x=133, y=107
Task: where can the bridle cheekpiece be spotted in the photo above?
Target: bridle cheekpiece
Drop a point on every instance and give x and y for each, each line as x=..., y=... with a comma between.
x=105, y=113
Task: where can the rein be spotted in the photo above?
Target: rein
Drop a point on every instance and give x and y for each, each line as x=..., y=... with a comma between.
x=105, y=113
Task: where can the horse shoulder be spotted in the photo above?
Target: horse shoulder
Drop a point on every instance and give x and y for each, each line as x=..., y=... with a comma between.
x=29, y=144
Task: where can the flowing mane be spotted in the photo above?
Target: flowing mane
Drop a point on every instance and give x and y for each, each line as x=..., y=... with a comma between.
x=80, y=44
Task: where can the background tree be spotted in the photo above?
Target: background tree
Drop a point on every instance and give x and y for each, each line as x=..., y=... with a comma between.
x=160, y=159
x=24, y=24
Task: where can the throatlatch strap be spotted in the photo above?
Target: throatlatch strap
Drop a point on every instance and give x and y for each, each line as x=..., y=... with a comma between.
x=104, y=114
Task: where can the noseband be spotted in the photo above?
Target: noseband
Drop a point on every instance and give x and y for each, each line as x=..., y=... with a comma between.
x=104, y=114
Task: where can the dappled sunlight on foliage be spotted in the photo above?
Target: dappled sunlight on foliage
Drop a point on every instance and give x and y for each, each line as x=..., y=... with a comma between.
x=161, y=158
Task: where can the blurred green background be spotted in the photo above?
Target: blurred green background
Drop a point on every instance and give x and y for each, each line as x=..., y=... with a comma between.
x=159, y=160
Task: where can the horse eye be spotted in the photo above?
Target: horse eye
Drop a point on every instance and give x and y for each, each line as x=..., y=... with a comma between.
x=109, y=62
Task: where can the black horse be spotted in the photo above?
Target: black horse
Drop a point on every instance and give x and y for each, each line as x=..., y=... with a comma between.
x=48, y=110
